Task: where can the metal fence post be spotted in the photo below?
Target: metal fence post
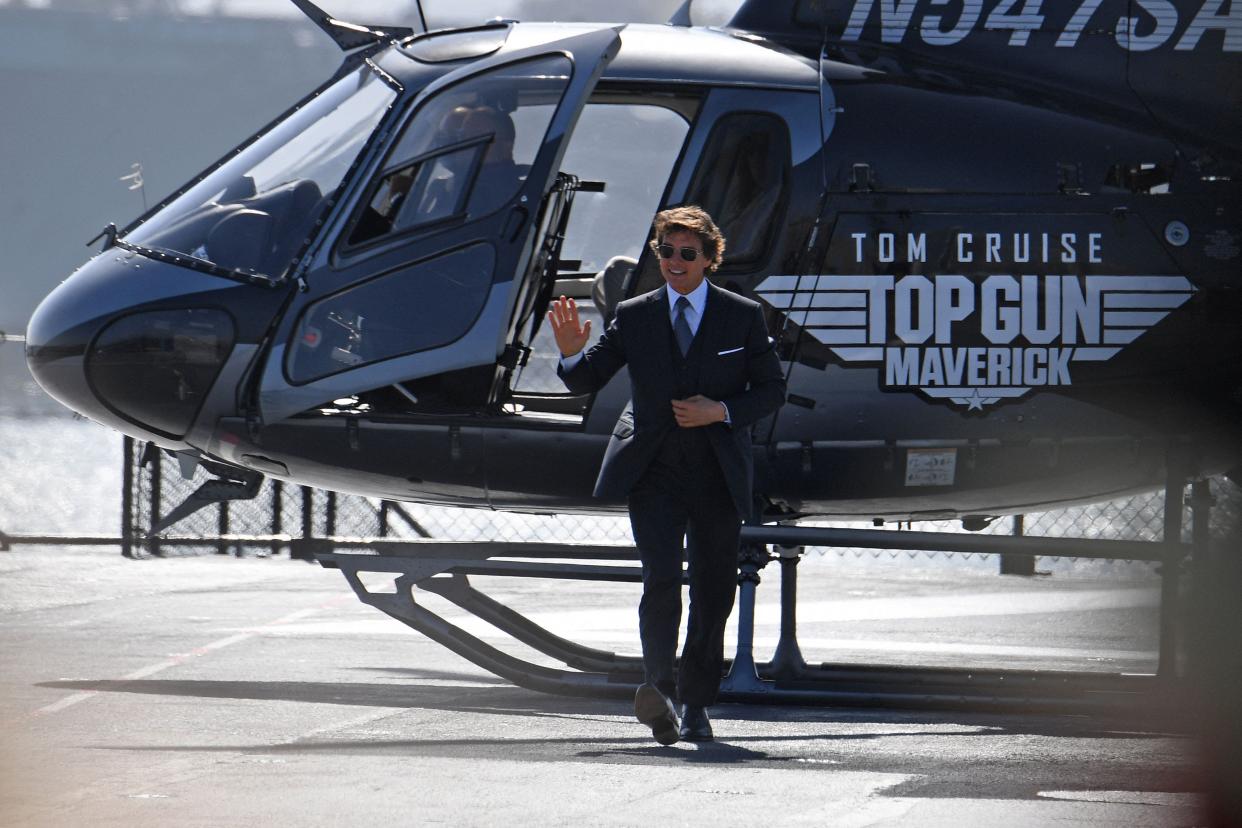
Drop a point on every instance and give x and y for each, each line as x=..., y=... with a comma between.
x=157, y=480
x=1018, y=564
x=330, y=516
x=1201, y=503
x=278, y=518
x=301, y=548
x=127, y=497
x=1204, y=569
x=1170, y=580
x=222, y=527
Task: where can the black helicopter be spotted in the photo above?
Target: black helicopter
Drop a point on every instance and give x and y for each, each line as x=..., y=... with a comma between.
x=998, y=244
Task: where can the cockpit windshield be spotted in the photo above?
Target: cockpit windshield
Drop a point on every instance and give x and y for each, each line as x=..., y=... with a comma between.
x=254, y=212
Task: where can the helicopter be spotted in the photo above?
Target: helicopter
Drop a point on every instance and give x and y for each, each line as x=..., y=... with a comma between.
x=997, y=247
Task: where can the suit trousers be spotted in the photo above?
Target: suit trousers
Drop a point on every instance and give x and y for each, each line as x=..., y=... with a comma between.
x=682, y=505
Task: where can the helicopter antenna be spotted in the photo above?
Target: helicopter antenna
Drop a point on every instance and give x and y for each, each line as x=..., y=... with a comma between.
x=422, y=18
x=349, y=36
x=823, y=109
x=134, y=181
x=681, y=17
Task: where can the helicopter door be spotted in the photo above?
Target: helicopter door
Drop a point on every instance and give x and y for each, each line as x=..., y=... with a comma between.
x=752, y=164
x=419, y=291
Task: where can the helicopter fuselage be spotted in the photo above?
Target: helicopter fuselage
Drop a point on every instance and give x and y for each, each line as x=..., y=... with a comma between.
x=988, y=296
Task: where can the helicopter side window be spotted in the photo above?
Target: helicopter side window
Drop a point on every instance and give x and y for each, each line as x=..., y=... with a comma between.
x=426, y=305
x=439, y=183
x=741, y=181
x=466, y=152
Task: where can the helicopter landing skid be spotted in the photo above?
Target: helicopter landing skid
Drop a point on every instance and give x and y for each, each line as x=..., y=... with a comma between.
x=444, y=569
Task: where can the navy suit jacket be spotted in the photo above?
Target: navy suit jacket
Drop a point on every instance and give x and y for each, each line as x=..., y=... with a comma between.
x=737, y=366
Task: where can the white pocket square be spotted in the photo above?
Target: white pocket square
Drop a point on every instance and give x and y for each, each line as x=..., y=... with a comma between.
x=730, y=351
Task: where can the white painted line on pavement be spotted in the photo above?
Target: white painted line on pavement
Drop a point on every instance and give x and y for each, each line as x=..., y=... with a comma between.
x=182, y=658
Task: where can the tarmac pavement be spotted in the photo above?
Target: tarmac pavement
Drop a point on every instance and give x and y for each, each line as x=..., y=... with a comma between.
x=216, y=691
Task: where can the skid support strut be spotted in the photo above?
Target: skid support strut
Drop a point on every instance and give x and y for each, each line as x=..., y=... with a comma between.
x=743, y=675
x=787, y=661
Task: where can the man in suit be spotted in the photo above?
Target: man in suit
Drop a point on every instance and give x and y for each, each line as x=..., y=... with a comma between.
x=702, y=371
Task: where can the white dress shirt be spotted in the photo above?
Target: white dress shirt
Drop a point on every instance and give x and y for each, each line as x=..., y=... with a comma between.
x=694, y=313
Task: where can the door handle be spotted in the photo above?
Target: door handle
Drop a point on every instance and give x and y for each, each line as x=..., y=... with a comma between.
x=514, y=224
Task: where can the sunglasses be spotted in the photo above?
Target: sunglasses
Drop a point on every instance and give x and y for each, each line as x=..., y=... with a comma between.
x=688, y=254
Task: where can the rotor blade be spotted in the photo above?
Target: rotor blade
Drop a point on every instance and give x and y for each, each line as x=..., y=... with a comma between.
x=349, y=36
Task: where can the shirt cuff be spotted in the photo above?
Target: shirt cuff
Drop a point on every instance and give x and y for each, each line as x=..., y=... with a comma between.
x=568, y=362
x=727, y=420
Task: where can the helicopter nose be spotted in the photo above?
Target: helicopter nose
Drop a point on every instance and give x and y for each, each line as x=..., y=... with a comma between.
x=57, y=336
x=107, y=345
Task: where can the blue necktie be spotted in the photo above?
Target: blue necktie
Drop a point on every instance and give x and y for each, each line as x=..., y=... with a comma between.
x=681, y=328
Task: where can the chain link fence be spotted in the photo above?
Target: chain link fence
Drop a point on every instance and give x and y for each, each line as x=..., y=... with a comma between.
x=297, y=518
x=287, y=518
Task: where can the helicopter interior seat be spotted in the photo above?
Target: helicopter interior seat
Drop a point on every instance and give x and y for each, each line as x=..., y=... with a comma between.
x=745, y=224
x=437, y=199
x=293, y=207
x=608, y=286
x=262, y=232
x=239, y=239
x=496, y=184
x=746, y=195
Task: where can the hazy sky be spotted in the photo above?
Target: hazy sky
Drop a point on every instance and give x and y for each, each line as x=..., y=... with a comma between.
x=443, y=13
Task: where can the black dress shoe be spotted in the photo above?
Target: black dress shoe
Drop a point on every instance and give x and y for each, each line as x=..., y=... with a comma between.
x=695, y=726
x=654, y=709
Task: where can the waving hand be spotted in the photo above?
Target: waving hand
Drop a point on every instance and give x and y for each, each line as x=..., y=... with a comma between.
x=571, y=335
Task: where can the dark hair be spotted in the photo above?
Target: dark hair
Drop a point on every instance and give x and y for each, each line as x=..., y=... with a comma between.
x=692, y=219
